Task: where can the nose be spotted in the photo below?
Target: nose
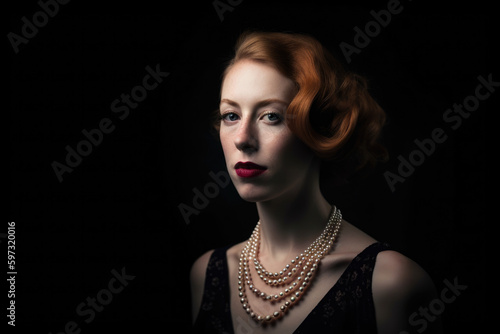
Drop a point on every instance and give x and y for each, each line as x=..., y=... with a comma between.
x=246, y=137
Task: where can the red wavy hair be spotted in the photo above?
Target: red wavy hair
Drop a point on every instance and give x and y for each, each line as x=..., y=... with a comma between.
x=332, y=111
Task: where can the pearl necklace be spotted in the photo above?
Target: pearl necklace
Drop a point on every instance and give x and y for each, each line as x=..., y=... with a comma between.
x=297, y=279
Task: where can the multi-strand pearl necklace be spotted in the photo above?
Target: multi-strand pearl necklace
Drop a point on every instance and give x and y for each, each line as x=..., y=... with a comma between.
x=295, y=277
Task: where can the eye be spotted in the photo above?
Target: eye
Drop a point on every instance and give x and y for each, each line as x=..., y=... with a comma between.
x=272, y=117
x=229, y=117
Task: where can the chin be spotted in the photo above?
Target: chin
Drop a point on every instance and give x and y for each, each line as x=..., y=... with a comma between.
x=253, y=193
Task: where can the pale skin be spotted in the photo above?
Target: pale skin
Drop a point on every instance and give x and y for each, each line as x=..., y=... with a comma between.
x=293, y=211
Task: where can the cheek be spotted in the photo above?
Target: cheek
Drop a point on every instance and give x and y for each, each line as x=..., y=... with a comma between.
x=290, y=153
x=225, y=142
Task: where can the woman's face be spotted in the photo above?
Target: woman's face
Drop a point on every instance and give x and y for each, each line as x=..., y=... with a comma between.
x=263, y=157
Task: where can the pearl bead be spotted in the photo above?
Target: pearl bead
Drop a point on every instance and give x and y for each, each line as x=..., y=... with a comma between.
x=304, y=265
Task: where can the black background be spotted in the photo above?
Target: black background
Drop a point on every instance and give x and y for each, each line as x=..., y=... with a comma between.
x=119, y=207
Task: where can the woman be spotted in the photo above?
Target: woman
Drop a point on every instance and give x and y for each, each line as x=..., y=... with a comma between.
x=287, y=107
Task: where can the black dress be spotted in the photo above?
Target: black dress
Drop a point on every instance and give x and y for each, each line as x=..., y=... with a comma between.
x=346, y=308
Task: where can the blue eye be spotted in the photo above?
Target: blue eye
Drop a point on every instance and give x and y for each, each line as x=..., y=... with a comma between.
x=269, y=117
x=229, y=116
x=272, y=117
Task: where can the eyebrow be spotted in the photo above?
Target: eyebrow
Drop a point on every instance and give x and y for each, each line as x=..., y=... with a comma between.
x=259, y=104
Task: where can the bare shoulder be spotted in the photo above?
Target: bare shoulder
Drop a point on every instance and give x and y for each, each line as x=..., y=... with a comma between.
x=200, y=265
x=400, y=286
x=197, y=280
x=393, y=269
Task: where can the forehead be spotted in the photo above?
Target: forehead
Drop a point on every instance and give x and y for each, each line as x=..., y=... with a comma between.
x=248, y=81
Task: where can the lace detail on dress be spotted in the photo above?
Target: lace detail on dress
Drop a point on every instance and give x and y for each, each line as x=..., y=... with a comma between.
x=215, y=314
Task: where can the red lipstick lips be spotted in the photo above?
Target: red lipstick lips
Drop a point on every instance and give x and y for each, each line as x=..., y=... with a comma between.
x=248, y=169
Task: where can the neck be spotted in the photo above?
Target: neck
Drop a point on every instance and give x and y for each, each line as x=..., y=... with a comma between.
x=292, y=221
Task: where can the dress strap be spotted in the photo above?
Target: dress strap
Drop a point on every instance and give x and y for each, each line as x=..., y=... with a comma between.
x=357, y=285
x=214, y=315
